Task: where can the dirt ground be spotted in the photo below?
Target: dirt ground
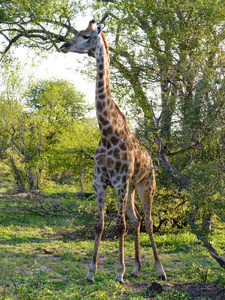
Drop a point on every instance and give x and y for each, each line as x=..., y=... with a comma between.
x=200, y=290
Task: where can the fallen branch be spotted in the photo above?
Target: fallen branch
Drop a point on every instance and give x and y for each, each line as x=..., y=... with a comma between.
x=25, y=195
x=36, y=202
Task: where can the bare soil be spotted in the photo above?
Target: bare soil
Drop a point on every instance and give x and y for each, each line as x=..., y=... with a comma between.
x=194, y=290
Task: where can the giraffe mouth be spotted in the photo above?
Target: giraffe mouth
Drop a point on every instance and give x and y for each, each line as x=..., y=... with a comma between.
x=64, y=49
x=67, y=49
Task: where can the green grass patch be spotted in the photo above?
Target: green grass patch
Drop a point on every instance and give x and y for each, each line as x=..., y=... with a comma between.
x=47, y=257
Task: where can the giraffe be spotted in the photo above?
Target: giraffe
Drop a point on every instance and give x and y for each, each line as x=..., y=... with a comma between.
x=118, y=160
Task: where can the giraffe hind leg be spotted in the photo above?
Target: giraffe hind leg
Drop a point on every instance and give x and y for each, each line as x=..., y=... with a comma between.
x=146, y=193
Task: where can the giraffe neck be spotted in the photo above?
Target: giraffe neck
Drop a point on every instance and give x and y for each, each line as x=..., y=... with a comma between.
x=110, y=118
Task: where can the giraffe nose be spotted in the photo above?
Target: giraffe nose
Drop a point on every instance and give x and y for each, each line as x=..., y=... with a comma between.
x=91, y=53
x=64, y=48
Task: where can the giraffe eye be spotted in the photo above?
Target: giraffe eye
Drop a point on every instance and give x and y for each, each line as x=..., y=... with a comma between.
x=86, y=37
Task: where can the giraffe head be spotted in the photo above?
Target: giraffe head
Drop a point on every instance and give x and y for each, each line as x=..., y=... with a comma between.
x=84, y=41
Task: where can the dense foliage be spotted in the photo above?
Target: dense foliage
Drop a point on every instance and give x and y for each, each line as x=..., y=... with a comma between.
x=44, y=134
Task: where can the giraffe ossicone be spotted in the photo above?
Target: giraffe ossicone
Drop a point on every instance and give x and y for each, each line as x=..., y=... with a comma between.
x=118, y=159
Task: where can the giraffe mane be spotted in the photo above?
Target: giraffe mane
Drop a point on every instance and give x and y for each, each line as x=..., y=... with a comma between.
x=120, y=112
x=107, y=52
x=106, y=46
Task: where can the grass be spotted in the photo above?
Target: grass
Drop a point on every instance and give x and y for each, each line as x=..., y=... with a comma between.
x=47, y=257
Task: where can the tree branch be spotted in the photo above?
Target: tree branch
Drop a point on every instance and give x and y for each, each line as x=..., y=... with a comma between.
x=109, y=1
x=185, y=149
x=103, y=18
x=222, y=218
x=219, y=259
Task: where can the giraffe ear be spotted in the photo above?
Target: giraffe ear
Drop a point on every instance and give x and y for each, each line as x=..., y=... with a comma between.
x=99, y=29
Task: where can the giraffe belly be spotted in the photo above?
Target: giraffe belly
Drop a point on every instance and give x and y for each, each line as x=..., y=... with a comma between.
x=143, y=166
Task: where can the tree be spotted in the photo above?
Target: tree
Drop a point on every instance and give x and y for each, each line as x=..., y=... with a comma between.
x=173, y=50
x=45, y=138
x=57, y=94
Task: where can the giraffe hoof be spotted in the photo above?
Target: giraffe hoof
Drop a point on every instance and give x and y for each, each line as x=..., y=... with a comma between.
x=162, y=277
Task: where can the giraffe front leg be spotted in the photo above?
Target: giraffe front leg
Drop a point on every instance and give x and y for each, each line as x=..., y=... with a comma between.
x=135, y=222
x=99, y=226
x=121, y=229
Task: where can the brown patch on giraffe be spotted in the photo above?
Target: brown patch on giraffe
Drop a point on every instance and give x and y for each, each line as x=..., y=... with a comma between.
x=110, y=152
x=104, y=141
x=118, y=178
x=113, y=122
x=109, y=162
x=108, y=144
x=116, y=130
x=100, y=67
x=103, y=121
x=99, y=151
x=111, y=106
x=101, y=96
x=100, y=160
x=100, y=84
x=104, y=170
x=101, y=90
x=124, y=178
x=100, y=75
x=123, y=146
x=106, y=113
x=107, y=131
x=124, y=156
x=98, y=169
x=126, y=130
x=118, y=166
x=114, y=114
x=123, y=136
x=99, y=106
x=116, y=153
